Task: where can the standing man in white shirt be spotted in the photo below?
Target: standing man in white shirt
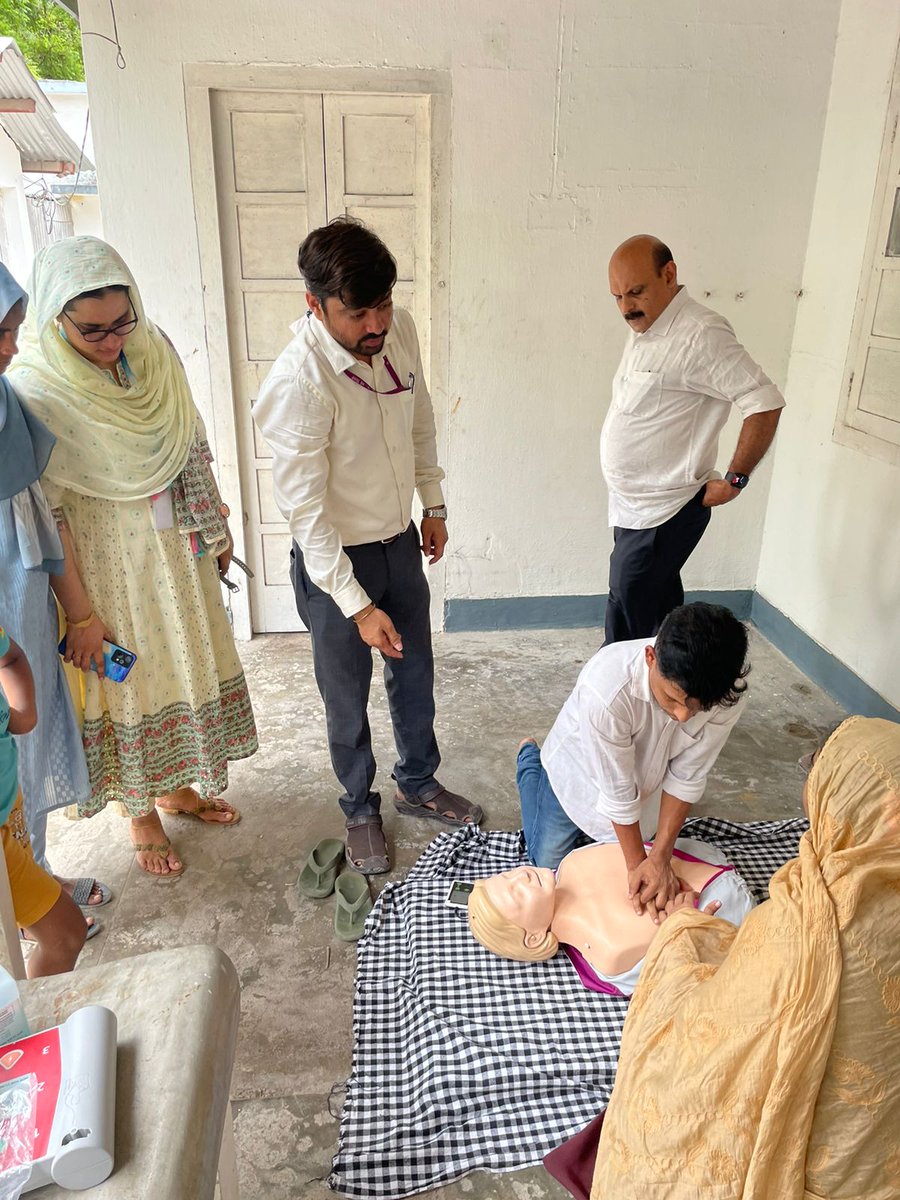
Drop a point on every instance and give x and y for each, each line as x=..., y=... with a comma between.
x=681, y=372
x=347, y=415
x=631, y=749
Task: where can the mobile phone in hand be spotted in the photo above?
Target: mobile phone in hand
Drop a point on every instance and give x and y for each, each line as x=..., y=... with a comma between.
x=117, y=661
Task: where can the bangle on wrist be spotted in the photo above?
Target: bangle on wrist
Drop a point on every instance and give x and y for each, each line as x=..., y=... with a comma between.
x=367, y=612
x=80, y=624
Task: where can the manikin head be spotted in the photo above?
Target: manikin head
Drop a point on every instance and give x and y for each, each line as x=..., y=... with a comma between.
x=350, y=275
x=699, y=660
x=510, y=914
x=643, y=279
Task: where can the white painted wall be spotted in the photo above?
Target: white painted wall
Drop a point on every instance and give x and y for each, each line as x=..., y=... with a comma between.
x=831, y=548
x=573, y=125
x=19, y=250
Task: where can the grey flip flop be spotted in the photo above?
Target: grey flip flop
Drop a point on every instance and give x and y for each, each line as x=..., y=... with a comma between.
x=352, y=905
x=317, y=878
x=92, y=931
x=81, y=893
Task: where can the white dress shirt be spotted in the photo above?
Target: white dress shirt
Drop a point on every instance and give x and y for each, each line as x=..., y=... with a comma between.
x=347, y=459
x=613, y=750
x=671, y=396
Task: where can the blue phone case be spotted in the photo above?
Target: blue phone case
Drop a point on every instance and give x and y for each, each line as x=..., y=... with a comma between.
x=117, y=661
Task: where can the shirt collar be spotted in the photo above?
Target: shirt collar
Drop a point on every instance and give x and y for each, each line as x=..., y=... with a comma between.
x=339, y=358
x=663, y=322
x=640, y=674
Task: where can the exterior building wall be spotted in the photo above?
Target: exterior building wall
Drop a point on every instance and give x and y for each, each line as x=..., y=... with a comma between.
x=571, y=128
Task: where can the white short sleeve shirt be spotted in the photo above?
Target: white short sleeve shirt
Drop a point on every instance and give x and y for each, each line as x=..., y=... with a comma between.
x=613, y=750
x=671, y=396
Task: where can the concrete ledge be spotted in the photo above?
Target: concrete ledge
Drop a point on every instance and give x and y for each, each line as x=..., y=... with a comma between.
x=819, y=664
x=582, y=612
x=557, y=612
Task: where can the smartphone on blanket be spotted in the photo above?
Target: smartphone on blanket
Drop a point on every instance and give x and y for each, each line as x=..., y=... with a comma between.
x=117, y=661
x=458, y=896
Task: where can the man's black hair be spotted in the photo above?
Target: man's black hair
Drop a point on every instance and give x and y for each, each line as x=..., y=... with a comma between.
x=346, y=259
x=702, y=648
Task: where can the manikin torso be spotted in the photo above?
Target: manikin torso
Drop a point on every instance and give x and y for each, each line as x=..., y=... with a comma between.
x=594, y=914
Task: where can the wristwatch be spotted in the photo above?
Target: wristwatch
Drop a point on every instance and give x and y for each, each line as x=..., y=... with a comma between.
x=737, y=480
x=440, y=513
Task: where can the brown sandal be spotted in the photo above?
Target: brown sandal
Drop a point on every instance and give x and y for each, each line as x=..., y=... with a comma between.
x=437, y=804
x=162, y=848
x=367, y=850
x=204, y=806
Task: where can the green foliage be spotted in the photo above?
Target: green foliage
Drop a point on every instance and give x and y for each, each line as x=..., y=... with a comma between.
x=48, y=37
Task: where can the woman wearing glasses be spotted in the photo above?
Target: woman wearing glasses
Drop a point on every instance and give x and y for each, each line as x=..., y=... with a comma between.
x=144, y=534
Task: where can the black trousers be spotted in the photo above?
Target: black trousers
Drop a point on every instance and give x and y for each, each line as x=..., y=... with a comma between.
x=392, y=576
x=645, y=572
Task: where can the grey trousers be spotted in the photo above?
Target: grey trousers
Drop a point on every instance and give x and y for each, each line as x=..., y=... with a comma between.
x=392, y=576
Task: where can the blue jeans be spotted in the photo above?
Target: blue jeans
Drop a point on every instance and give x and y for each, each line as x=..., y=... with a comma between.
x=549, y=832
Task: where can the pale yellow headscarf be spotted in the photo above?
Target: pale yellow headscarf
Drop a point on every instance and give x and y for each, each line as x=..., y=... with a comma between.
x=112, y=442
x=762, y=1062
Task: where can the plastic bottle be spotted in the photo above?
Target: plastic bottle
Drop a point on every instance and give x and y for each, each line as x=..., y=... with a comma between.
x=13, y=1022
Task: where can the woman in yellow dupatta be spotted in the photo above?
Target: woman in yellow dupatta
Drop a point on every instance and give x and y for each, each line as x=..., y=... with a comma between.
x=145, y=537
x=764, y=1062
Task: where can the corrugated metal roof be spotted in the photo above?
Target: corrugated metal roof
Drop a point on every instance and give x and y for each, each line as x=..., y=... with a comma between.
x=43, y=143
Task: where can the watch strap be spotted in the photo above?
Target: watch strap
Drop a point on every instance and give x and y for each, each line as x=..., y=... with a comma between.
x=737, y=480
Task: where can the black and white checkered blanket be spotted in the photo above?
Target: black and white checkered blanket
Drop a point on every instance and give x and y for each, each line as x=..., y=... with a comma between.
x=464, y=1061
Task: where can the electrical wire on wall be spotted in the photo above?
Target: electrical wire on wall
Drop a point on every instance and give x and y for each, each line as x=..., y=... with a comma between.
x=52, y=205
x=114, y=40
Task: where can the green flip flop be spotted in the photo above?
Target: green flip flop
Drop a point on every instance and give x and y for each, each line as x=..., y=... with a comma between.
x=318, y=875
x=352, y=905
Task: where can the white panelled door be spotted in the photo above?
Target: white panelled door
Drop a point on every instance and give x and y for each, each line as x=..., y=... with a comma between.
x=285, y=163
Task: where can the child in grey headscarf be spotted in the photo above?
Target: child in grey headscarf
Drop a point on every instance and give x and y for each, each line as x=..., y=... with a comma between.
x=52, y=769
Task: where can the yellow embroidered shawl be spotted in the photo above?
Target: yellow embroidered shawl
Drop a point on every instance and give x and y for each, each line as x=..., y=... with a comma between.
x=764, y=1062
x=115, y=443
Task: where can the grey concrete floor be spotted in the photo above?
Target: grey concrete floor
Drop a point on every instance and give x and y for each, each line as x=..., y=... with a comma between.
x=238, y=887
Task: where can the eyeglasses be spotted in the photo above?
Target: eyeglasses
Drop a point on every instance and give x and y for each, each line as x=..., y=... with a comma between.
x=98, y=335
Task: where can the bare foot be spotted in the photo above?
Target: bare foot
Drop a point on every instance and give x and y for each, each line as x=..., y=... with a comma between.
x=156, y=855
x=187, y=801
x=528, y=741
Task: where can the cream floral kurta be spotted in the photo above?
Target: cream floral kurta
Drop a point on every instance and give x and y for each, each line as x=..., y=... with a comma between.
x=184, y=710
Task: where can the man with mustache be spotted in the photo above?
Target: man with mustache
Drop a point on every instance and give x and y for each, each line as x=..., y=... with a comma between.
x=681, y=372
x=347, y=415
